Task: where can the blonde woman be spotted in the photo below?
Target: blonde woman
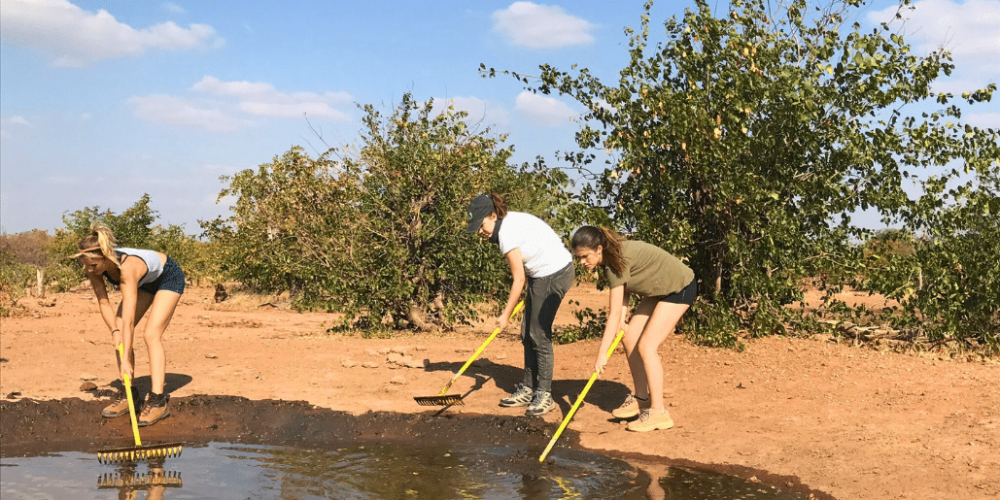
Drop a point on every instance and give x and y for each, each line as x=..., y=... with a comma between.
x=150, y=282
x=666, y=289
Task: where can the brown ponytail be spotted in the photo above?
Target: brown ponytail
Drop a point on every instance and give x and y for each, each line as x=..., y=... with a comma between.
x=610, y=242
x=99, y=243
x=499, y=205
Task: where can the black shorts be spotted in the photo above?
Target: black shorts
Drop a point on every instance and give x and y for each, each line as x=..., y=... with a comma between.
x=172, y=278
x=685, y=296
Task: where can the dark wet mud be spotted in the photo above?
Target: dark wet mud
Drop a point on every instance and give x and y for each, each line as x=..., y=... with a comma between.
x=35, y=428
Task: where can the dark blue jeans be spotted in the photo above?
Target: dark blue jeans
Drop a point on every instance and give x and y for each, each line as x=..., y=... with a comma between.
x=540, y=307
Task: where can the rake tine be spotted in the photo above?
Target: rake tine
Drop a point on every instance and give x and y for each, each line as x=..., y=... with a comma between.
x=171, y=479
x=148, y=452
x=449, y=400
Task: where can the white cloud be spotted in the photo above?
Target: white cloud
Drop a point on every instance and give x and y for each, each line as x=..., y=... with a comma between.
x=983, y=120
x=212, y=85
x=547, y=111
x=174, y=8
x=19, y=120
x=4, y=134
x=480, y=112
x=76, y=38
x=178, y=112
x=970, y=31
x=86, y=117
x=235, y=105
x=541, y=26
x=262, y=99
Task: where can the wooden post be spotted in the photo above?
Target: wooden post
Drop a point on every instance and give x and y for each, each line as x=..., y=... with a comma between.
x=40, y=275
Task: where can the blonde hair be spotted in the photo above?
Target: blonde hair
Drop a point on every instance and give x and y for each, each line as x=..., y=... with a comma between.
x=100, y=242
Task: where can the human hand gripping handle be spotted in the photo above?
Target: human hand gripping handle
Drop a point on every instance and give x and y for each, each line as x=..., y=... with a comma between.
x=128, y=392
x=602, y=361
x=579, y=399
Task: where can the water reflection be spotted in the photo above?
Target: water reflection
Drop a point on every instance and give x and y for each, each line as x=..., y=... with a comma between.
x=391, y=472
x=235, y=471
x=129, y=482
x=673, y=483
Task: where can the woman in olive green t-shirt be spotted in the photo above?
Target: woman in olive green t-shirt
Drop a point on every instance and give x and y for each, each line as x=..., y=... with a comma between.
x=666, y=288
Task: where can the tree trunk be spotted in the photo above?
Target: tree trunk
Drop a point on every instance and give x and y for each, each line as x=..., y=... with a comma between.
x=40, y=276
x=417, y=318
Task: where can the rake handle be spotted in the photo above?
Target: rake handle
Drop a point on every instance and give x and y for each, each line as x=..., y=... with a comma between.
x=131, y=403
x=479, y=351
x=579, y=399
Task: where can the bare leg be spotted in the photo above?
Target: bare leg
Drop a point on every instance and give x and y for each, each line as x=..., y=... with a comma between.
x=142, y=304
x=661, y=323
x=635, y=326
x=160, y=313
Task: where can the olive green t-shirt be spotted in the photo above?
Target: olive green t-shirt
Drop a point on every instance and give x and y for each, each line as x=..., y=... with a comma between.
x=650, y=271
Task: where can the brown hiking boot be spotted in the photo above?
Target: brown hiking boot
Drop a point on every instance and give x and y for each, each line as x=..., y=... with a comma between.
x=154, y=409
x=651, y=420
x=630, y=408
x=118, y=407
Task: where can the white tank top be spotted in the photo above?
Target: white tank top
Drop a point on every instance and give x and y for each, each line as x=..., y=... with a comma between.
x=154, y=266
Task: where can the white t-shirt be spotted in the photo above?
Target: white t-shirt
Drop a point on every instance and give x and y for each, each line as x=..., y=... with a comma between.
x=542, y=251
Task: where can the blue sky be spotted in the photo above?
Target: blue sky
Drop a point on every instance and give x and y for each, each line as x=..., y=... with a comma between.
x=101, y=102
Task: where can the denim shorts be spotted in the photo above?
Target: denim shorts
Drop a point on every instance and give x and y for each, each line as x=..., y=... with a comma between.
x=172, y=279
x=685, y=296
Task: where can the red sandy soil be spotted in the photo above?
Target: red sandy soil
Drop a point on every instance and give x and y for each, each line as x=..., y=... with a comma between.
x=850, y=422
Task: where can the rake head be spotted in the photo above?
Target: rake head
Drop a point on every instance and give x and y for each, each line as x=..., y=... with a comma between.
x=449, y=400
x=131, y=454
x=171, y=479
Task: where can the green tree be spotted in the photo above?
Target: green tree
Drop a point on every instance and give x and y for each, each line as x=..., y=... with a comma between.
x=957, y=293
x=743, y=141
x=379, y=233
x=134, y=227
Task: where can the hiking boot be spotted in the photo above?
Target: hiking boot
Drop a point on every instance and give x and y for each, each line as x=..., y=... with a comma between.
x=631, y=408
x=154, y=409
x=119, y=406
x=541, y=404
x=520, y=397
x=650, y=420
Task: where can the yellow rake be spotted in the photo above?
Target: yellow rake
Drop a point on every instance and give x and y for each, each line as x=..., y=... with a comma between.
x=137, y=452
x=456, y=399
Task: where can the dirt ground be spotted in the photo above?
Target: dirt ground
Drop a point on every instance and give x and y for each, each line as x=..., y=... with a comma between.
x=841, y=421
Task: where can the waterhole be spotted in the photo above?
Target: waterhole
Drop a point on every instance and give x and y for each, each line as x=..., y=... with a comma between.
x=239, y=472
x=235, y=448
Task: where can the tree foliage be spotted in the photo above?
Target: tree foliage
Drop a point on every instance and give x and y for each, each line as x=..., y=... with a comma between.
x=134, y=227
x=744, y=141
x=380, y=234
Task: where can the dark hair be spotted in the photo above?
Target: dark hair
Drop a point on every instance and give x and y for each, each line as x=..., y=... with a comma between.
x=610, y=242
x=499, y=205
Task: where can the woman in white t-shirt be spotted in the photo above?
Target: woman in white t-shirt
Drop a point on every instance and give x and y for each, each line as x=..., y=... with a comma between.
x=539, y=259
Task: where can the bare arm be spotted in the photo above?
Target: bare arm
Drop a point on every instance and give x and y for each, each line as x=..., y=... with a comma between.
x=104, y=303
x=517, y=271
x=132, y=270
x=617, y=309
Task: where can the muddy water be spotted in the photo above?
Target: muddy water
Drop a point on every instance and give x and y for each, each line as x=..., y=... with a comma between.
x=241, y=449
x=235, y=471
